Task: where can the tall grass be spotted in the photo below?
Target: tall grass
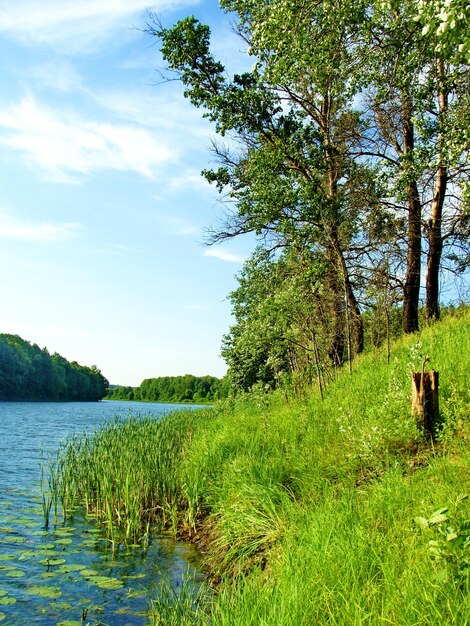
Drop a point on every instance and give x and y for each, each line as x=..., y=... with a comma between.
x=126, y=475
x=308, y=511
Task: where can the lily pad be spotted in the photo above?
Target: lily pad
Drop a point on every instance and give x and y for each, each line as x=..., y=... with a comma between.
x=60, y=606
x=13, y=539
x=106, y=582
x=17, y=573
x=137, y=593
x=46, y=546
x=49, y=574
x=3, y=593
x=7, y=600
x=6, y=557
x=70, y=622
x=71, y=567
x=2, y=616
x=44, y=592
x=88, y=572
x=51, y=562
x=64, y=542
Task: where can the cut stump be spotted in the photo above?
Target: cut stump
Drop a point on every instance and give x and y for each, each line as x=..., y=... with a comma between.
x=425, y=399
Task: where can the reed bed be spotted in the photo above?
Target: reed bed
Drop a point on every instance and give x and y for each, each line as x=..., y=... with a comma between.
x=126, y=476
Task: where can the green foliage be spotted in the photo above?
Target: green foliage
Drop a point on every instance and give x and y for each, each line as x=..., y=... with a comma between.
x=450, y=542
x=351, y=134
x=28, y=372
x=187, y=388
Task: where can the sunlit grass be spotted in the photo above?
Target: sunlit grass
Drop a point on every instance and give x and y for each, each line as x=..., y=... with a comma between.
x=305, y=508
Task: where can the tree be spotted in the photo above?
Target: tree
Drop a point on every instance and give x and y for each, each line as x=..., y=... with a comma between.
x=289, y=180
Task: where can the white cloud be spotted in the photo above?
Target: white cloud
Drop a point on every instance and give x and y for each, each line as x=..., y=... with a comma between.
x=57, y=75
x=75, y=26
x=172, y=225
x=224, y=255
x=14, y=229
x=156, y=107
x=63, y=145
x=192, y=180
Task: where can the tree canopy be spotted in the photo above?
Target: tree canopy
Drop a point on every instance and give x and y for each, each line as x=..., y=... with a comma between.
x=344, y=150
x=187, y=388
x=28, y=372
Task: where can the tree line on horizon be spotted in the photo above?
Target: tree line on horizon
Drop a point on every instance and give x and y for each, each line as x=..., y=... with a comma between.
x=30, y=373
x=187, y=388
x=344, y=150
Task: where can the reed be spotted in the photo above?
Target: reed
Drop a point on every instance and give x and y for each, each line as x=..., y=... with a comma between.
x=126, y=475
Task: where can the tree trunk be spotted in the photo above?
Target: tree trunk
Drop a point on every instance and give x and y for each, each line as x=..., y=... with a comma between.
x=435, y=223
x=413, y=259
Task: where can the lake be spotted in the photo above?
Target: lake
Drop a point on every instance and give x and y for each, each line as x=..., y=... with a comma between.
x=87, y=582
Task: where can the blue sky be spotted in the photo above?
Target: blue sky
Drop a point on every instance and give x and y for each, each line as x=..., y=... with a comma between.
x=102, y=207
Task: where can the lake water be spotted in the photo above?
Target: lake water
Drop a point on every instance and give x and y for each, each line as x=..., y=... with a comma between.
x=88, y=582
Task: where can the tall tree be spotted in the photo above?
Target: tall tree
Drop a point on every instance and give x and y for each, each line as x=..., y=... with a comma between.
x=290, y=181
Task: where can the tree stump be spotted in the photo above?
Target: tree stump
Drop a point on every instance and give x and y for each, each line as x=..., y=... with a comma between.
x=425, y=399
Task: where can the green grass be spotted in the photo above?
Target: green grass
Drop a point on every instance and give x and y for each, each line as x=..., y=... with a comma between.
x=308, y=511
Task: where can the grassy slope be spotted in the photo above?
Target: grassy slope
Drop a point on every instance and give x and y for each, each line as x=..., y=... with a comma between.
x=315, y=502
x=306, y=509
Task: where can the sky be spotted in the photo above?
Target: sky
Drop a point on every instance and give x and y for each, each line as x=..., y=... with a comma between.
x=102, y=206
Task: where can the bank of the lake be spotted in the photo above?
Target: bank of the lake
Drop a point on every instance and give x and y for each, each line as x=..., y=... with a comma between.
x=336, y=511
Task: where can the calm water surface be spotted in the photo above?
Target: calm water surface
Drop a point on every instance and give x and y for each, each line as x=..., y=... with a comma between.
x=88, y=582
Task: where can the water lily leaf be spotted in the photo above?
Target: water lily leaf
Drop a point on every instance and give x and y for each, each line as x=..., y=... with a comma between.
x=6, y=557
x=50, y=562
x=46, y=546
x=64, y=542
x=106, y=582
x=110, y=585
x=14, y=574
x=88, y=572
x=72, y=567
x=137, y=593
x=13, y=539
x=60, y=606
x=3, y=593
x=2, y=616
x=27, y=554
x=48, y=552
x=44, y=592
x=70, y=622
x=7, y=600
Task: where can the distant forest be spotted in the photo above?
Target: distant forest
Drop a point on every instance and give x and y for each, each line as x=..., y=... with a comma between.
x=188, y=388
x=28, y=372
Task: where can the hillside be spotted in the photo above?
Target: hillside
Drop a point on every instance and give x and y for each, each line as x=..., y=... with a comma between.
x=310, y=511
